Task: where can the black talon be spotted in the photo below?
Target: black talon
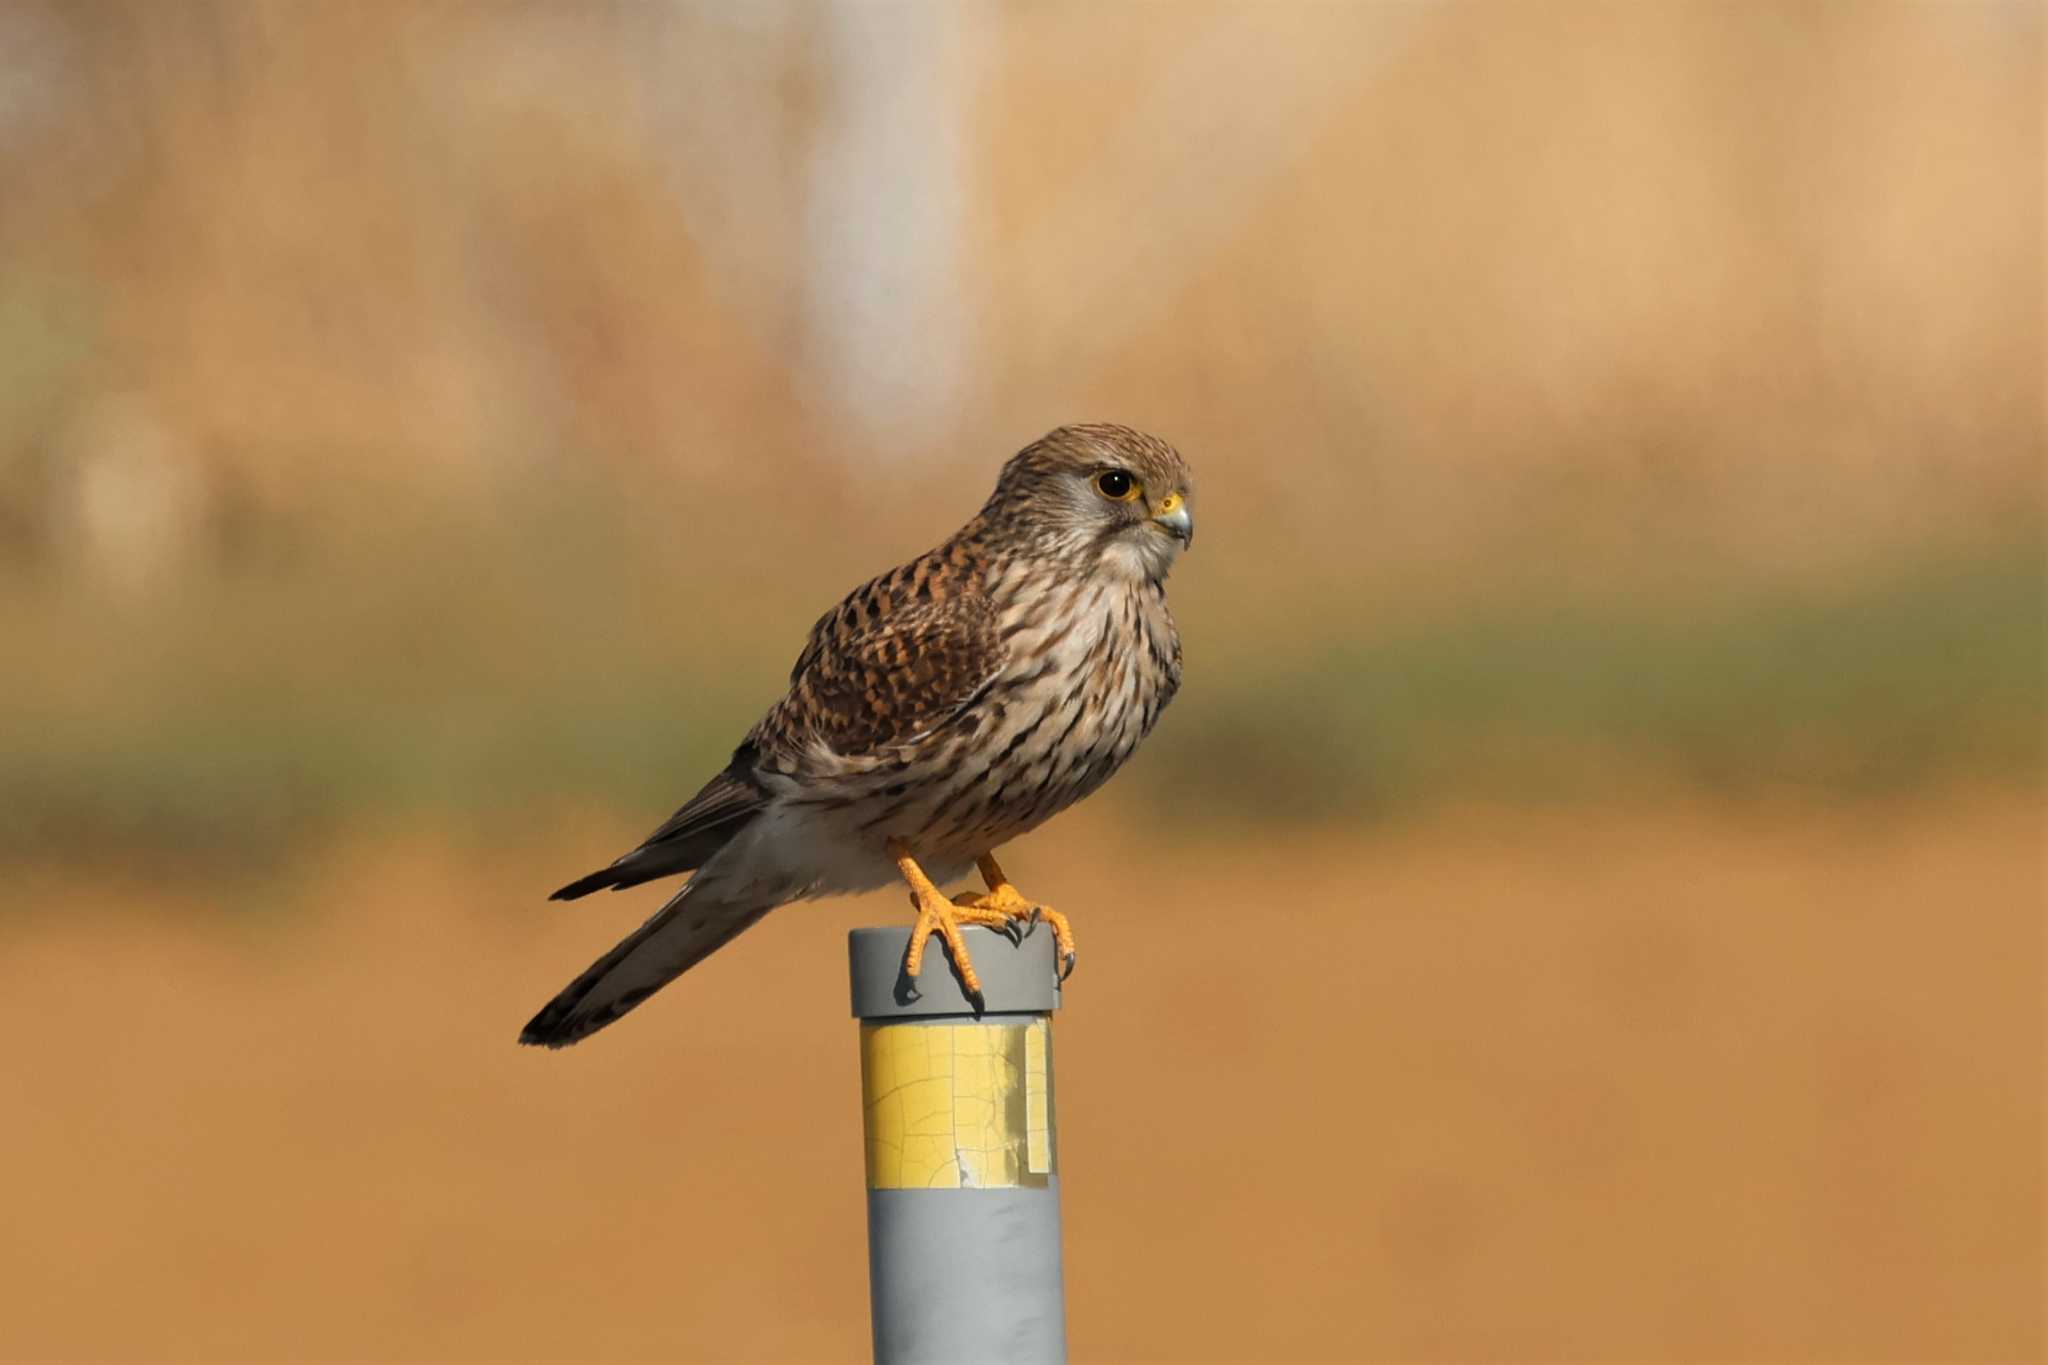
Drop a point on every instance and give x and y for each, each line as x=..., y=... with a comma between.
x=1067, y=961
x=906, y=992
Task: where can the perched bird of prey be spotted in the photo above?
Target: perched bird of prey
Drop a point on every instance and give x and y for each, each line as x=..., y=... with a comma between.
x=942, y=709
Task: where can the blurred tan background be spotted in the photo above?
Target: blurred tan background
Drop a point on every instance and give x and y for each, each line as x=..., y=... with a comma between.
x=1586, y=905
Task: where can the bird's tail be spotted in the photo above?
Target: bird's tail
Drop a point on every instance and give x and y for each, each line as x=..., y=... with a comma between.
x=697, y=921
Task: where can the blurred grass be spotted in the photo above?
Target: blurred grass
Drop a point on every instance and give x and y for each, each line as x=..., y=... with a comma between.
x=494, y=676
x=1925, y=674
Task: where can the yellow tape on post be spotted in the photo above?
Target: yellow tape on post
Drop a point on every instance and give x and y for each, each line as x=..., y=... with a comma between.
x=952, y=1106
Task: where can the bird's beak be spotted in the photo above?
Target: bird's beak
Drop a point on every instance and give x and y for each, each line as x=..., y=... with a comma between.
x=1172, y=517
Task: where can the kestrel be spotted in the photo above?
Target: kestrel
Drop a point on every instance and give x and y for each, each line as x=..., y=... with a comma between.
x=939, y=711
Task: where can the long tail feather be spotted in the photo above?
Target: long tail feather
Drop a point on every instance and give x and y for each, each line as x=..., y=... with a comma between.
x=694, y=924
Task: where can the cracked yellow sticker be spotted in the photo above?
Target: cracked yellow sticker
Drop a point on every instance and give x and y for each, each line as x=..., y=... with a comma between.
x=953, y=1106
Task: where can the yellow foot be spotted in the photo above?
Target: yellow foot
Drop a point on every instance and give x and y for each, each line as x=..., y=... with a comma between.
x=937, y=915
x=1013, y=907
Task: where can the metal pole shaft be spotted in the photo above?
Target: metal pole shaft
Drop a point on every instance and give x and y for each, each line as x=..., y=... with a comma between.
x=963, y=1176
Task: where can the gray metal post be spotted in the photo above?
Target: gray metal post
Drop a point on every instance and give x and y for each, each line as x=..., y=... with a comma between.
x=963, y=1176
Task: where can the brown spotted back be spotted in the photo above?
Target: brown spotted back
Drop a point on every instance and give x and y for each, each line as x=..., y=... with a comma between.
x=902, y=654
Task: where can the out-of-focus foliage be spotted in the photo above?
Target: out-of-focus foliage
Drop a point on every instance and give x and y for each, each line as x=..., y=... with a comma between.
x=373, y=699
x=463, y=408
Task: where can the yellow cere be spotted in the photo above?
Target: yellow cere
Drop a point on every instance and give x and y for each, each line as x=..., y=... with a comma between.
x=1171, y=504
x=957, y=1106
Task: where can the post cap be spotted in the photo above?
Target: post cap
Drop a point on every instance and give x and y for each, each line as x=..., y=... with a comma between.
x=1015, y=978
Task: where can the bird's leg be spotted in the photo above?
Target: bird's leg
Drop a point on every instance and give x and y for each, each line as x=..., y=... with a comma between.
x=1005, y=899
x=937, y=915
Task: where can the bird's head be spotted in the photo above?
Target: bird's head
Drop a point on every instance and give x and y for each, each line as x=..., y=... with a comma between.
x=1114, y=498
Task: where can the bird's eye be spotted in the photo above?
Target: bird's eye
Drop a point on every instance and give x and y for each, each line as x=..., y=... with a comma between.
x=1116, y=485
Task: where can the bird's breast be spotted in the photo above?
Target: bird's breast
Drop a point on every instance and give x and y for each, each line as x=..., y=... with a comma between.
x=1088, y=669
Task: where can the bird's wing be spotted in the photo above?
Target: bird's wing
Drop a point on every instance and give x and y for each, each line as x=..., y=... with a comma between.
x=689, y=837
x=730, y=796
x=898, y=658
